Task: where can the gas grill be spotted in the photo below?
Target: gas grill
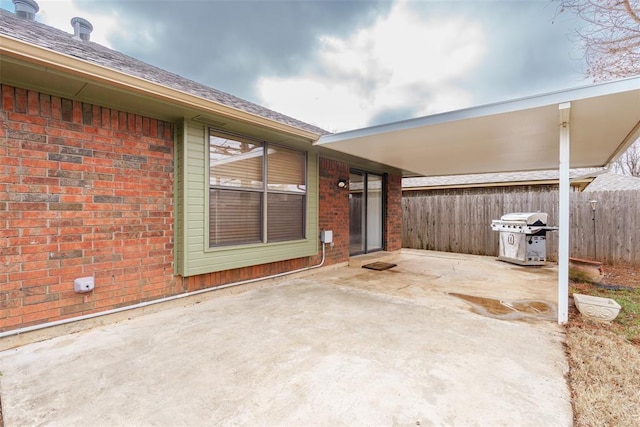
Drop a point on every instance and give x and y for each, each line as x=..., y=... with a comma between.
x=523, y=237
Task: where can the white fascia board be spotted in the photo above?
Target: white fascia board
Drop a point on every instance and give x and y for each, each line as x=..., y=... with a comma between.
x=544, y=100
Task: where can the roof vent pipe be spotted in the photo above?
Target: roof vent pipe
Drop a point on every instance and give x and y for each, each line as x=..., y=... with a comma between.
x=81, y=29
x=26, y=9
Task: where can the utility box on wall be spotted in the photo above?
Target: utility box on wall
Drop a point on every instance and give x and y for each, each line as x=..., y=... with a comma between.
x=326, y=236
x=83, y=285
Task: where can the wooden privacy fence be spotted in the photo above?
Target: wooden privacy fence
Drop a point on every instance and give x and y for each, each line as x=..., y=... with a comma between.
x=461, y=222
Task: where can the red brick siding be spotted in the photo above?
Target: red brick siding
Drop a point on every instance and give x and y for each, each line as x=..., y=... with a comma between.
x=393, y=214
x=334, y=209
x=87, y=190
x=84, y=190
x=204, y=281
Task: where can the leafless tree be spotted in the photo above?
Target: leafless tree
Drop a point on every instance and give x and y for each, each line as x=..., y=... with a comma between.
x=611, y=40
x=611, y=36
x=629, y=162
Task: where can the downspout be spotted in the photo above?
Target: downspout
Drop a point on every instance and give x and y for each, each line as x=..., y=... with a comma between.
x=158, y=301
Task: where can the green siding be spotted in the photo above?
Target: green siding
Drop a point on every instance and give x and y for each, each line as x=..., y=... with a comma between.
x=178, y=258
x=193, y=244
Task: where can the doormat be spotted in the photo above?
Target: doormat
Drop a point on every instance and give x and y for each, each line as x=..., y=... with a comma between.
x=379, y=266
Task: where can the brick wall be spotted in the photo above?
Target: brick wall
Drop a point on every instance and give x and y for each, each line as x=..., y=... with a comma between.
x=393, y=213
x=88, y=191
x=204, y=281
x=84, y=190
x=334, y=208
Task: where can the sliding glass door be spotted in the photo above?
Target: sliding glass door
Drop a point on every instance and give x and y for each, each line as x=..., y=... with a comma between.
x=365, y=212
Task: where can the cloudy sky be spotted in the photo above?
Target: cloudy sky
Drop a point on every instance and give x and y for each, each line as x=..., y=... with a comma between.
x=344, y=64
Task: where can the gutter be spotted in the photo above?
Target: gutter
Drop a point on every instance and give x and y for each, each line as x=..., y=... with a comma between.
x=52, y=60
x=157, y=301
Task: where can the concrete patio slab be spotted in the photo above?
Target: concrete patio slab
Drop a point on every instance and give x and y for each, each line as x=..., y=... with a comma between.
x=428, y=277
x=340, y=347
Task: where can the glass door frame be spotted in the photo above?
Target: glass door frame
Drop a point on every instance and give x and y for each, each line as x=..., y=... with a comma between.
x=365, y=214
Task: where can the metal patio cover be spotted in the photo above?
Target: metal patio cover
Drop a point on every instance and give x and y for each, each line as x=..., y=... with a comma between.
x=518, y=135
x=577, y=128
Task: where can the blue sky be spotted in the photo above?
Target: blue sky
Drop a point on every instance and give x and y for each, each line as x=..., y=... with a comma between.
x=344, y=64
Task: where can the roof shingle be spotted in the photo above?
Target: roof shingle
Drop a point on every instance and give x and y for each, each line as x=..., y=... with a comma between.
x=59, y=41
x=505, y=178
x=614, y=182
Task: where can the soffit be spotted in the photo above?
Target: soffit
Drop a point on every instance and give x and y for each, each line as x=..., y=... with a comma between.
x=519, y=135
x=31, y=67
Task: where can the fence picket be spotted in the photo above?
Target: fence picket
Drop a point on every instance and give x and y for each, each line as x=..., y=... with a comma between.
x=460, y=222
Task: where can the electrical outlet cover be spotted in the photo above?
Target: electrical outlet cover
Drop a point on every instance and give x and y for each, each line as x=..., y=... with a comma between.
x=83, y=285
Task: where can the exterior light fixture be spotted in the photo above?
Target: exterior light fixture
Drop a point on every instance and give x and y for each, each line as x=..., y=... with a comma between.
x=342, y=183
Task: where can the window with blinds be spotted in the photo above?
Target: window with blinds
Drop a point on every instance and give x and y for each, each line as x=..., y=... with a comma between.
x=257, y=191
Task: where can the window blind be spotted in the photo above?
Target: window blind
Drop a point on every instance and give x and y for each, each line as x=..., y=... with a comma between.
x=234, y=217
x=285, y=217
x=286, y=170
x=248, y=191
x=235, y=163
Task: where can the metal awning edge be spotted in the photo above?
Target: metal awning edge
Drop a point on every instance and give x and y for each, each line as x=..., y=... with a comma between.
x=536, y=101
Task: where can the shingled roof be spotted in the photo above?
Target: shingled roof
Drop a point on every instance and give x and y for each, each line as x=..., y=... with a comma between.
x=493, y=179
x=614, y=182
x=62, y=42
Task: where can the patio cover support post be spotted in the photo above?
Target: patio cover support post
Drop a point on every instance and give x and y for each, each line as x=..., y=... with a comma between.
x=563, y=220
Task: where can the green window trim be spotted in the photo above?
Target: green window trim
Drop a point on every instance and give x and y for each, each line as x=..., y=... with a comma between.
x=193, y=255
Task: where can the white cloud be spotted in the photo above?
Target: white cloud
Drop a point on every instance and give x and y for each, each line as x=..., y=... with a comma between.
x=316, y=100
x=403, y=61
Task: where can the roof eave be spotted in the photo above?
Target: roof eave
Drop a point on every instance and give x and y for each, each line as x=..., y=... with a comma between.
x=573, y=182
x=517, y=135
x=79, y=67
